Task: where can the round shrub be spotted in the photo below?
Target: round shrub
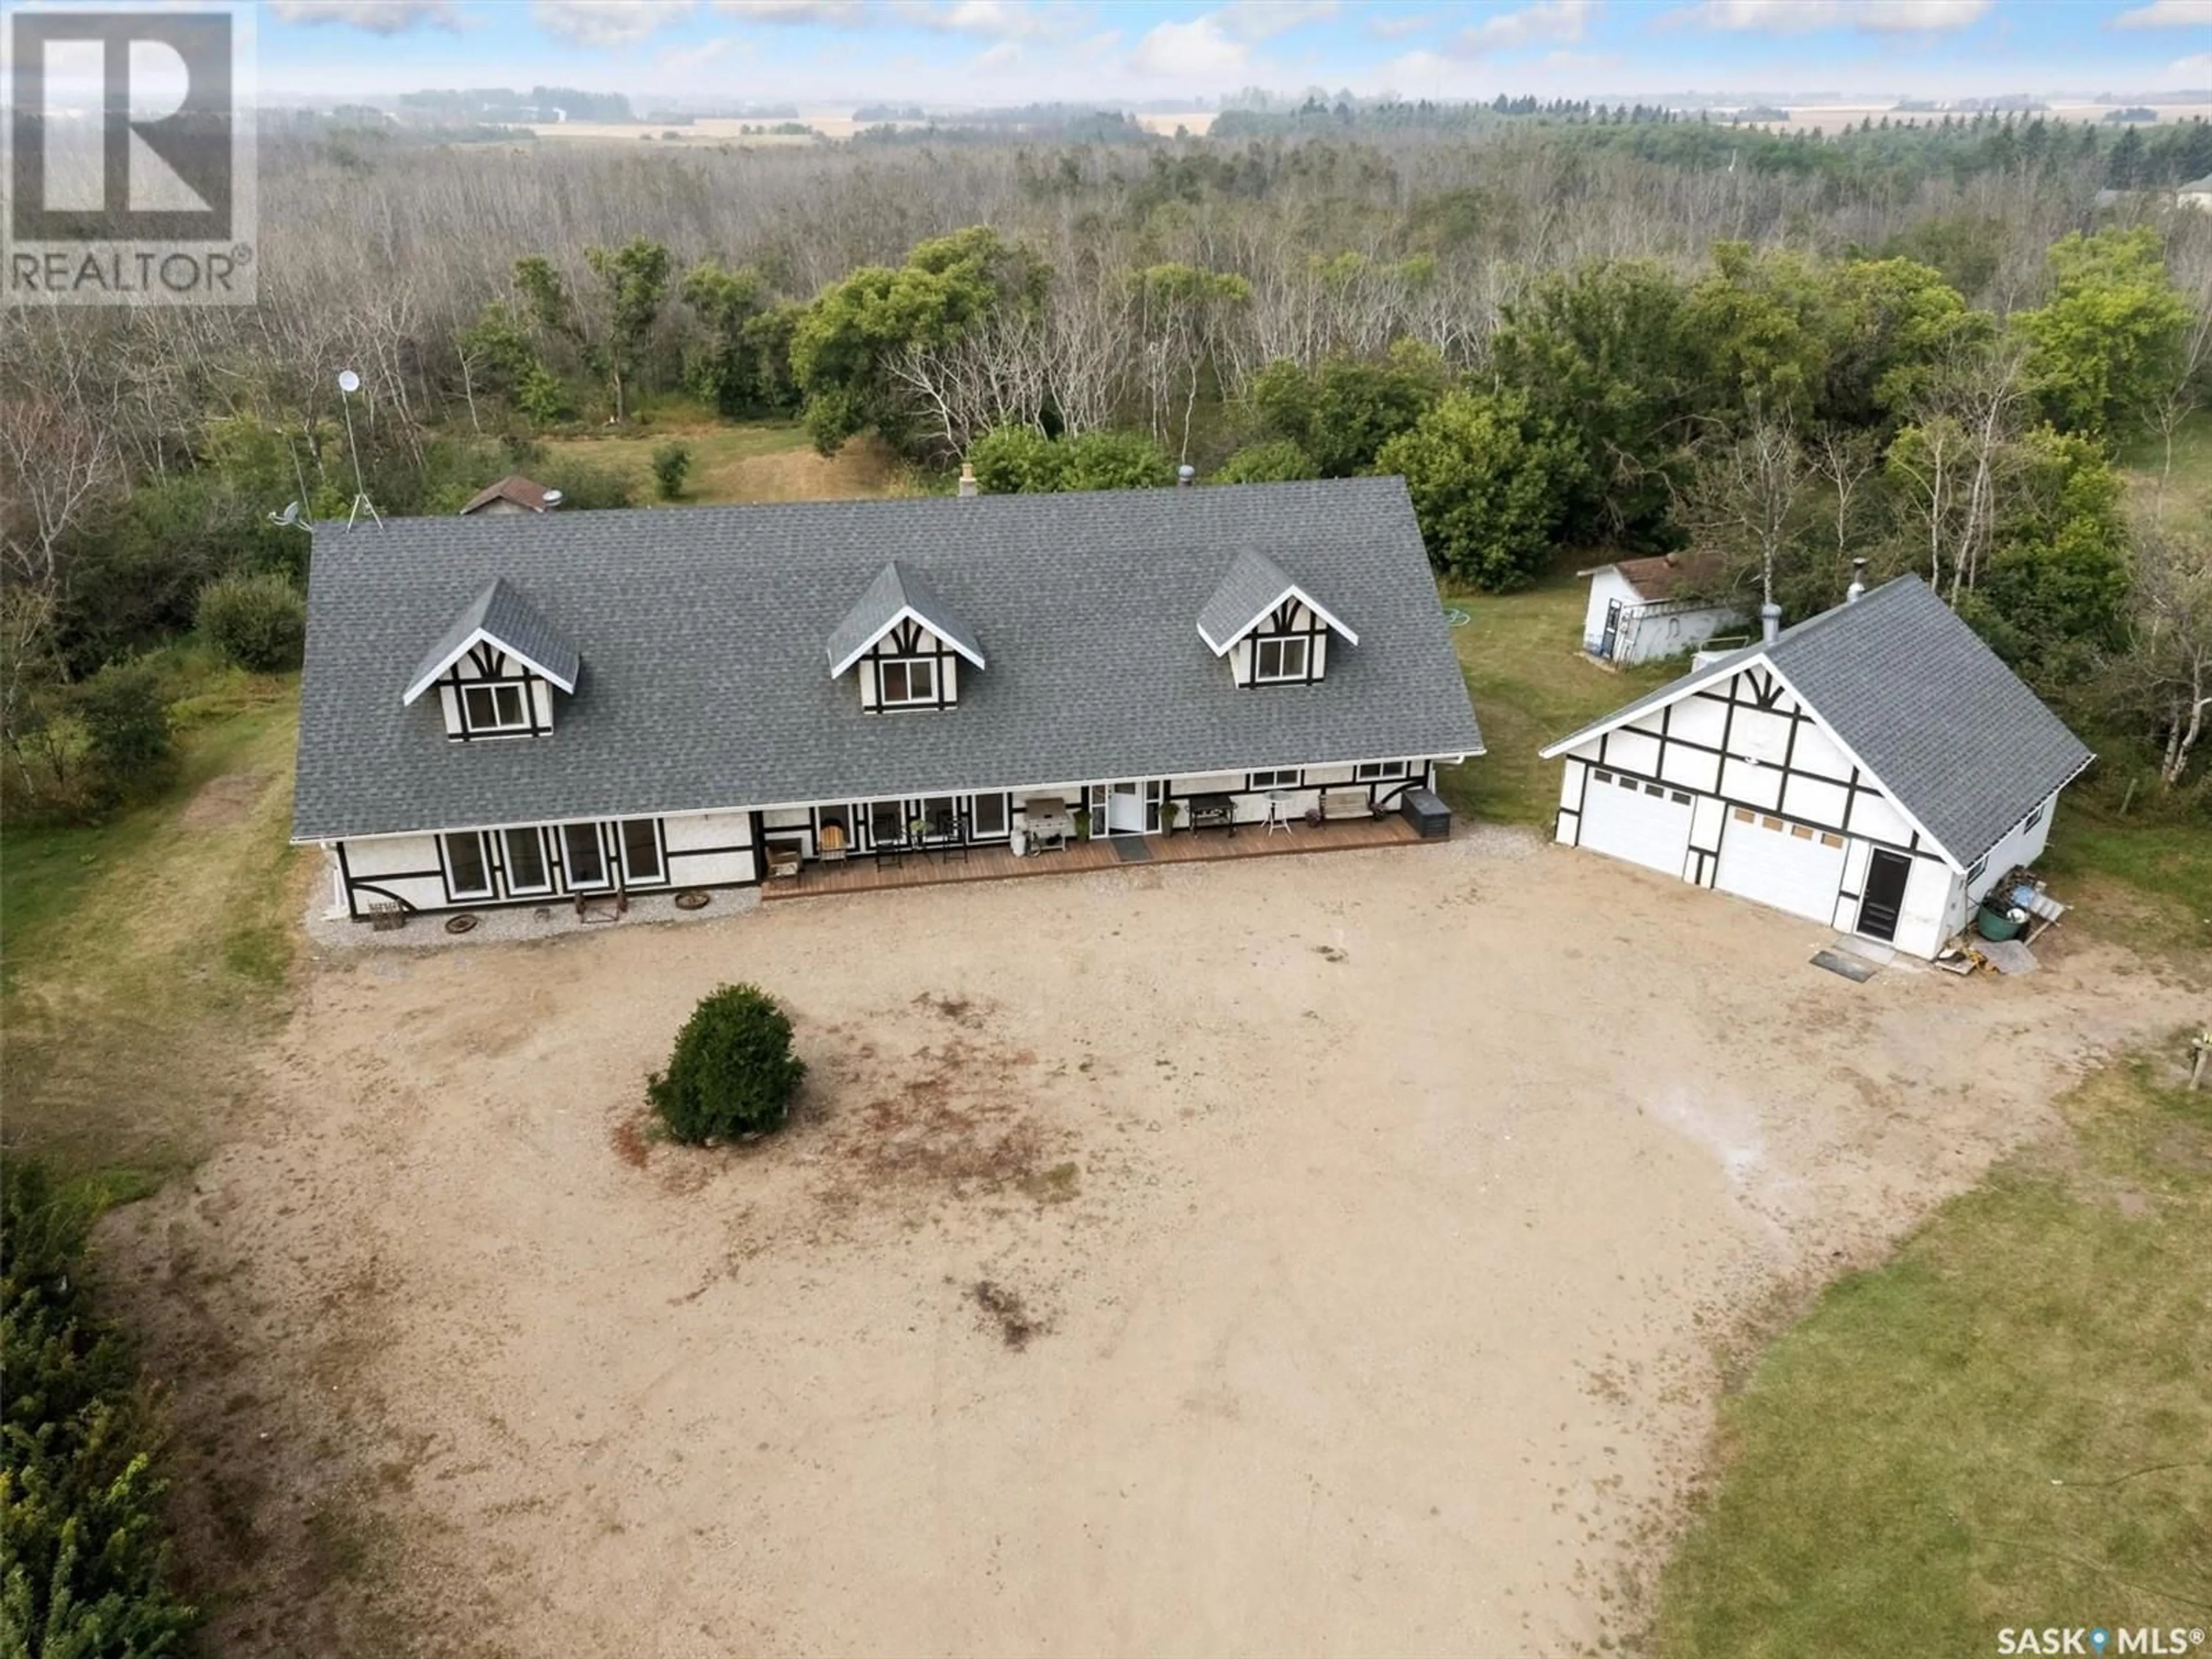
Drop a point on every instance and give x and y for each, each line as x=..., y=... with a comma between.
x=259, y=622
x=733, y=1073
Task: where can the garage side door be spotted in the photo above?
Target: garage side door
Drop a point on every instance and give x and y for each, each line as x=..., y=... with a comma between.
x=1792, y=866
x=1632, y=820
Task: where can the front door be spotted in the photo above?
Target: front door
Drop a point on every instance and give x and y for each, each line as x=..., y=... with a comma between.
x=1887, y=874
x=1611, y=630
x=1125, y=809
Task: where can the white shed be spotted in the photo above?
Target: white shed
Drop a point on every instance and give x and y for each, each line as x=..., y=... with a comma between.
x=1875, y=768
x=1643, y=610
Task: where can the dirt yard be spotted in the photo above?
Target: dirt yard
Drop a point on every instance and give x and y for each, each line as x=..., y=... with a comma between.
x=1279, y=1256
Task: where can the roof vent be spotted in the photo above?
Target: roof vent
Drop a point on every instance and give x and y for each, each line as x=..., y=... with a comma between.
x=1770, y=622
x=968, y=484
x=1185, y=474
x=1851, y=594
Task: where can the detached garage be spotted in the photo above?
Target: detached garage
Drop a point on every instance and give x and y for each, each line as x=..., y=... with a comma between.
x=1875, y=769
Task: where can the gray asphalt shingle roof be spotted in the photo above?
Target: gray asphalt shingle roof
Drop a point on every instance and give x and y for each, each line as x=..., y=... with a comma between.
x=894, y=590
x=1954, y=735
x=505, y=615
x=703, y=629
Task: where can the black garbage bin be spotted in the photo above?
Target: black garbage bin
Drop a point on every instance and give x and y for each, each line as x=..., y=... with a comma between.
x=1422, y=809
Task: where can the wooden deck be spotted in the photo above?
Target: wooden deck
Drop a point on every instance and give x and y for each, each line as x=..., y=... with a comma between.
x=862, y=874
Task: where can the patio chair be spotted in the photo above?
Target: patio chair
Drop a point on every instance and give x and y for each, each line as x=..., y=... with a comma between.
x=830, y=846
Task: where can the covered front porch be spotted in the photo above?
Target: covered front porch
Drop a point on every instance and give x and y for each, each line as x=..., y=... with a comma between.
x=930, y=868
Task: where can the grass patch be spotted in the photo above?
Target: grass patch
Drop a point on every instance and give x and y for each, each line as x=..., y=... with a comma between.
x=2188, y=490
x=2007, y=1425
x=1532, y=682
x=143, y=956
x=748, y=461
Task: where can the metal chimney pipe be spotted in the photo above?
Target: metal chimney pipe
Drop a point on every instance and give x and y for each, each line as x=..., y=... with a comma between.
x=1770, y=622
x=1852, y=593
x=1186, y=475
x=968, y=485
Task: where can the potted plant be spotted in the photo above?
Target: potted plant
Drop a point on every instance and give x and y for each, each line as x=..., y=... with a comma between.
x=1169, y=811
x=1083, y=823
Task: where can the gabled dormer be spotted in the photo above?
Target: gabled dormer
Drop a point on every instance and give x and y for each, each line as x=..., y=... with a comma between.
x=907, y=643
x=1272, y=630
x=495, y=669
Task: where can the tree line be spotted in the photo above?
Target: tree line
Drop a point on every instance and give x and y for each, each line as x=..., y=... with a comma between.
x=1556, y=338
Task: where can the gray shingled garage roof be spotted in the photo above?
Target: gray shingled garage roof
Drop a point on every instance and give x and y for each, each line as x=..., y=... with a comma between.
x=1954, y=735
x=703, y=631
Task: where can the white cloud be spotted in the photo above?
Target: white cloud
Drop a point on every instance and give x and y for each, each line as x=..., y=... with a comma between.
x=1191, y=50
x=1263, y=20
x=1801, y=16
x=607, y=23
x=999, y=56
x=1397, y=28
x=2167, y=14
x=376, y=16
x=834, y=13
x=994, y=20
x=2196, y=64
x=679, y=60
x=1547, y=20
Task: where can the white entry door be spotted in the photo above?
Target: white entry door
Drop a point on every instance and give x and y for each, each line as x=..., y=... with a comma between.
x=1125, y=809
x=1642, y=822
x=1792, y=866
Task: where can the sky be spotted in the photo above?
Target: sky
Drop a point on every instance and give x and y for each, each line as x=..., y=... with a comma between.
x=823, y=54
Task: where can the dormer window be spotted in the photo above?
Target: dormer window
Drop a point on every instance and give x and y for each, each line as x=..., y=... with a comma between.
x=908, y=642
x=1270, y=629
x=1279, y=660
x=496, y=668
x=486, y=710
x=907, y=680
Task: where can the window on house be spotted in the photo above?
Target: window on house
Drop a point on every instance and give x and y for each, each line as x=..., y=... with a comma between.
x=1678, y=797
x=1280, y=659
x=886, y=821
x=585, y=855
x=641, y=851
x=468, y=872
x=1370, y=771
x=1742, y=814
x=909, y=680
x=2034, y=818
x=990, y=817
x=526, y=869
x=1274, y=780
x=499, y=705
x=1974, y=870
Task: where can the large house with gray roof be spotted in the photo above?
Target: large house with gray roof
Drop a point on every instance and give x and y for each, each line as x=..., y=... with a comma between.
x=1875, y=768
x=513, y=709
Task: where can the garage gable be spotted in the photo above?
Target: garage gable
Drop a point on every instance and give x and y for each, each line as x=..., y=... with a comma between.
x=1739, y=730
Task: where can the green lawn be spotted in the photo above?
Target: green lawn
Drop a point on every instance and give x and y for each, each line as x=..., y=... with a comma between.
x=1531, y=682
x=2010, y=1424
x=143, y=957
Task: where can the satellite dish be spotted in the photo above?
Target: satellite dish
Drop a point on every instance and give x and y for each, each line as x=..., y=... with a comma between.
x=290, y=515
x=348, y=382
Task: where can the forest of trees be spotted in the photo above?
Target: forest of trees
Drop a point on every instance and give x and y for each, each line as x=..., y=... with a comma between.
x=1922, y=344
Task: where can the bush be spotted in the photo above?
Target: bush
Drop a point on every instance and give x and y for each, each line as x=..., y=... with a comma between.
x=81, y=1536
x=259, y=622
x=672, y=465
x=127, y=725
x=1011, y=460
x=1116, y=461
x=1279, y=461
x=733, y=1073
x=1490, y=483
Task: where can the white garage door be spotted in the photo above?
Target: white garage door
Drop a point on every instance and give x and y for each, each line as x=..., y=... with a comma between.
x=1636, y=821
x=1792, y=866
